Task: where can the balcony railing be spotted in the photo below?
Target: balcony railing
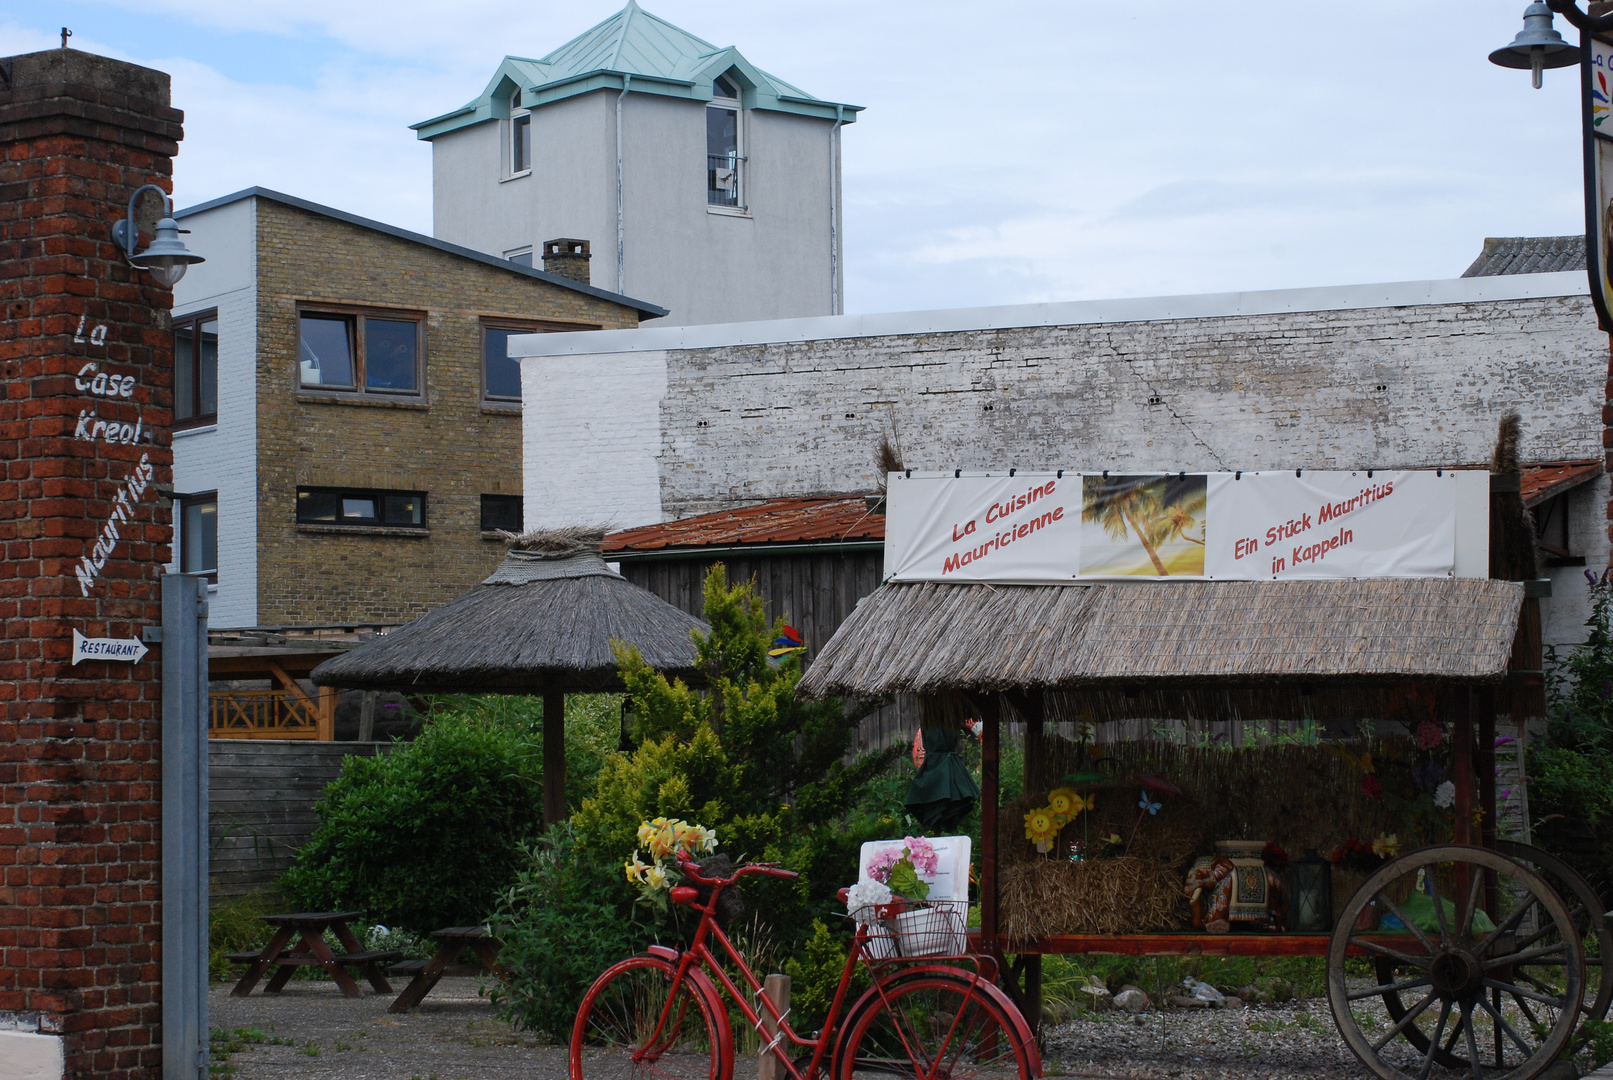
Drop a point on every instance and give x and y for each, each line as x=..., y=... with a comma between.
x=272, y=714
x=722, y=179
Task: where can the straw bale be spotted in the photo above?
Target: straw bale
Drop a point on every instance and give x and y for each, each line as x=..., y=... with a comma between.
x=926, y=637
x=1104, y=896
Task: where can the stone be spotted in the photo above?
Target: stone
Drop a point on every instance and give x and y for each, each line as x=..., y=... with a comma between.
x=1182, y=1001
x=1203, y=991
x=1132, y=1000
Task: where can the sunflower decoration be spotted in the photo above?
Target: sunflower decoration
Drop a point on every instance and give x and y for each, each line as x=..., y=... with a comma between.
x=1043, y=827
x=1064, y=803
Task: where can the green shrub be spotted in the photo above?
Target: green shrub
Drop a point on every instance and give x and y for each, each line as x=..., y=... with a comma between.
x=815, y=976
x=236, y=925
x=769, y=772
x=1571, y=772
x=593, y=729
x=427, y=836
x=566, y=918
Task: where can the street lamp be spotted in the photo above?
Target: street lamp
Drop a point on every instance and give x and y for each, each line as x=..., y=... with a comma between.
x=167, y=258
x=1538, y=45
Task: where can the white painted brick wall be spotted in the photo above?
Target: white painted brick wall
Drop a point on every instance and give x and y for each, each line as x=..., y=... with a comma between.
x=738, y=423
x=590, y=438
x=1252, y=392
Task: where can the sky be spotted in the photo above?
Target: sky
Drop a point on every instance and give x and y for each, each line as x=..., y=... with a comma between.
x=1011, y=152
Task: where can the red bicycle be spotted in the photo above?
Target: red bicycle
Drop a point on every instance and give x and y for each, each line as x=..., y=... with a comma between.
x=930, y=1017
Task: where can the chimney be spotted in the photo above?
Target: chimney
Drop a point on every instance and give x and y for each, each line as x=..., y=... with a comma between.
x=567, y=258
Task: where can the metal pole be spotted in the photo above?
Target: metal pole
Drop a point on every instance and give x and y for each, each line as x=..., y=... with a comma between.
x=184, y=827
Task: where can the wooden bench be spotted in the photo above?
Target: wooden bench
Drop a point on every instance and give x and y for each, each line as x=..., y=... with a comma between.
x=312, y=951
x=452, y=941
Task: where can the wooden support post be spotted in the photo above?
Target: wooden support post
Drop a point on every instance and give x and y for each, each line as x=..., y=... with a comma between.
x=1461, y=717
x=1484, y=764
x=328, y=696
x=554, y=757
x=1033, y=992
x=366, y=716
x=769, y=1066
x=990, y=721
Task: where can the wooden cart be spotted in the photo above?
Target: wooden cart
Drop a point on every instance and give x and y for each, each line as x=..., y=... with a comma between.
x=1498, y=987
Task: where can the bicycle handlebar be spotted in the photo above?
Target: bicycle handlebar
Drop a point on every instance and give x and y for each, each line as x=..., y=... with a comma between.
x=691, y=871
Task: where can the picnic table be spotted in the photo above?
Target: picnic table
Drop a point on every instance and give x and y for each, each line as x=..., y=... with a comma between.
x=311, y=950
x=452, y=941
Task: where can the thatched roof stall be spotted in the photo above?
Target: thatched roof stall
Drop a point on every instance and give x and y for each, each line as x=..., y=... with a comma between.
x=1102, y=640
x=1211, y=649
x=542, y=624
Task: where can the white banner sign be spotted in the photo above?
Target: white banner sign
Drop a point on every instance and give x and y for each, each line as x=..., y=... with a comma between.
x=1051, y=527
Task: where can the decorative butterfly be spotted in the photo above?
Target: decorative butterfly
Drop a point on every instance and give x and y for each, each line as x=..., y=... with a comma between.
x=1151, y=807
x=1081, y=803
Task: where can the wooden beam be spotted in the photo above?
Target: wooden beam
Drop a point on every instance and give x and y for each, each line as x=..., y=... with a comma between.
x=1031, y=706
x=990, y=738
x=1459, y=704
x=554, y=757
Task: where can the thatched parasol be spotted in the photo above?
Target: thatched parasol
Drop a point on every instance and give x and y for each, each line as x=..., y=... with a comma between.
x=542, y=624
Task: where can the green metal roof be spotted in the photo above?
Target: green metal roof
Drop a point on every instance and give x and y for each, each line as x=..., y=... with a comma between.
x=637, y=51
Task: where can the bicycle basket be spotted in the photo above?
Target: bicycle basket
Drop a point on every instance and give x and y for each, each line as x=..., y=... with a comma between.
x=915, y=928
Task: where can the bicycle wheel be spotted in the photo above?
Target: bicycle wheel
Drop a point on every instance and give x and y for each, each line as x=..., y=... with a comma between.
x=628, y=1029
x=932, y=1026
x=1489, y=1000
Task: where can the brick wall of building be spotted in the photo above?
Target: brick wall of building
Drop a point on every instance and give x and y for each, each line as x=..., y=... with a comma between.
x=84, y=540
x=447, y=444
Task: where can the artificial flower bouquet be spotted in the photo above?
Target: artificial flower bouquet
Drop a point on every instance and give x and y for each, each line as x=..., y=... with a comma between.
x=893, y=901
x=664, y=839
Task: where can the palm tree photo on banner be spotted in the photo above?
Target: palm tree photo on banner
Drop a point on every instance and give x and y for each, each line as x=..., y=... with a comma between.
x=1144, y=526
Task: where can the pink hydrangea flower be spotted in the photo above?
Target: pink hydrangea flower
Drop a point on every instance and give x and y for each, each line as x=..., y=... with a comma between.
x=1429, y=735
x=879, y=867
x=922, y=853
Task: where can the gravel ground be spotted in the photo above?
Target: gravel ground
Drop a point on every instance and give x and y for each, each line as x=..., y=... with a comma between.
x=312, y=1032
x=1275, y=1041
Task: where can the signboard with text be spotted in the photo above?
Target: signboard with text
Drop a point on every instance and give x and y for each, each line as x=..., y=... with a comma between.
x=1597, y=94
x=1060, y=527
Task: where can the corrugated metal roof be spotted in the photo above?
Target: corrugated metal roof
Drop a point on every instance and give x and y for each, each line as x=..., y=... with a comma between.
x=1528, y=255
x=1546, y=479
x=777, y=521
x=631, y=44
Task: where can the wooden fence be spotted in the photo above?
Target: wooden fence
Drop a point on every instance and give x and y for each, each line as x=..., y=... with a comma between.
x=272, y=714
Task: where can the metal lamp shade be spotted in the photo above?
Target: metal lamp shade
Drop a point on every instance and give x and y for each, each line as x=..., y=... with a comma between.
x=1310, y=895
x=167, y=258
x=1538, y=45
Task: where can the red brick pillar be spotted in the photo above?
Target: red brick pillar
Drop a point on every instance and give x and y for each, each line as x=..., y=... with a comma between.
x=84, y=540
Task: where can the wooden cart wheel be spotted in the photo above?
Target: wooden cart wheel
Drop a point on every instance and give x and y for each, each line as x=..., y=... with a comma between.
x=1584, y=906
x=1497, y=1002
x=1589, y=917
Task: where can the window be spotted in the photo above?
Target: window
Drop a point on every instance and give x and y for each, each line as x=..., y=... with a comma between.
x=501, y=376
x=196, y=370
x=724, y=160
x=520, y=137
x=360, y=352
x=198, y=535
x=520, y=256
x=341, y=506
x=501, y=512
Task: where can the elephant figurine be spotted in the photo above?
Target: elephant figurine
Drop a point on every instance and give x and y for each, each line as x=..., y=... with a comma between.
x=1224, y=890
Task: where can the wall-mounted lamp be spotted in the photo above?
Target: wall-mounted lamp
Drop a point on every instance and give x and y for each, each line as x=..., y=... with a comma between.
x=167, y=258
x=1538, y=45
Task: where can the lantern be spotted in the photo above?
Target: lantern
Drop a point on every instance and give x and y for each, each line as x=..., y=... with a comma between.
x=1310, y=894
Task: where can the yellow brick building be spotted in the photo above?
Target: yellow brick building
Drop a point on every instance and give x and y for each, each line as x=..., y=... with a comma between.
x=347, y=424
